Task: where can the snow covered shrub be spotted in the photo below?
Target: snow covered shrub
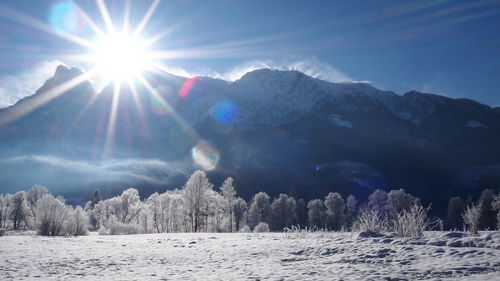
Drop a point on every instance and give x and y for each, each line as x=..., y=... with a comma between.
x=412, y=222
x=261, y=227
x=471, y=217
x=245, y=229
x=52, y=216
x=370, y=220
x=78, y=222
x=116, y=227
x=296, y=232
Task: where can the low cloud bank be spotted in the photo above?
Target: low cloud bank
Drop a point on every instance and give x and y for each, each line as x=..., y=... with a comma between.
x=60, y=174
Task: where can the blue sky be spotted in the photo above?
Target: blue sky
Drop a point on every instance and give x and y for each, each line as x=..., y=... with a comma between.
x=445, y=47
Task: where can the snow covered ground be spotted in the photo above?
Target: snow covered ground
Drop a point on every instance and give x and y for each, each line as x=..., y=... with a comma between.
x=248, y=256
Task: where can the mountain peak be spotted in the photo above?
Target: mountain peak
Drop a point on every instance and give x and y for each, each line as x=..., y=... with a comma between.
x=64, y=72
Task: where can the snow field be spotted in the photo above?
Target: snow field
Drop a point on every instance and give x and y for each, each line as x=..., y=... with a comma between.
x=251, y=256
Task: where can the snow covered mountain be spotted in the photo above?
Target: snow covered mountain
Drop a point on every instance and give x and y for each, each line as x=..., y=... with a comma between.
x=277, y=131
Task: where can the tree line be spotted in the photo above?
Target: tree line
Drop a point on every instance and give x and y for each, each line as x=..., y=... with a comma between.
x=198, y=207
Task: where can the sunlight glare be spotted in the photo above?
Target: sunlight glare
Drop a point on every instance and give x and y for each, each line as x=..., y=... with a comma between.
x=121, y=56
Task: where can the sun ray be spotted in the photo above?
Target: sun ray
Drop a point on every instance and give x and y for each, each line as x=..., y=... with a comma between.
x=38, y=100
x=126, y=16
x=146, y=17
x=88, y=20
x=138, y=105
x=110, y=132
x=26, y=20
x=135, y=96
x=105, y=16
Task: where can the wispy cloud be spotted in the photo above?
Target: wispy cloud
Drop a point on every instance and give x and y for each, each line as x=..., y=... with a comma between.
x=310, y=66
x=16, y=86
x=56, y=171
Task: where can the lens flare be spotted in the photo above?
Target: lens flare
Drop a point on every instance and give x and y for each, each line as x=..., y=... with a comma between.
x=205, y=156
x=186, y=87
x=226, y=112
x=64, y=17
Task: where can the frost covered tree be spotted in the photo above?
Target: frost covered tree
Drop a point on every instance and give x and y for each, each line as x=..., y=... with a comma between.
x=378, y=202
x=229, y=197
x=283, y=212
x=316, y=213
x=121, y=212
x=239, y=211
x=155, y=206
x=351, y=209
x=259, y=210
x=195, y=195
x=496, y=206
x=34, y=194
x=52, y=216
x=335, y=211
x=78, y=222
x=400, y=201
x=488, y=215
x=456, y=207
x=128, y=205
x=18, y=209
x=301, y=211
x=95, y=198
x=5, y=200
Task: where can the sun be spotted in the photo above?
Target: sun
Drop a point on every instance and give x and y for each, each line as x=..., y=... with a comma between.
x=120, y=56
